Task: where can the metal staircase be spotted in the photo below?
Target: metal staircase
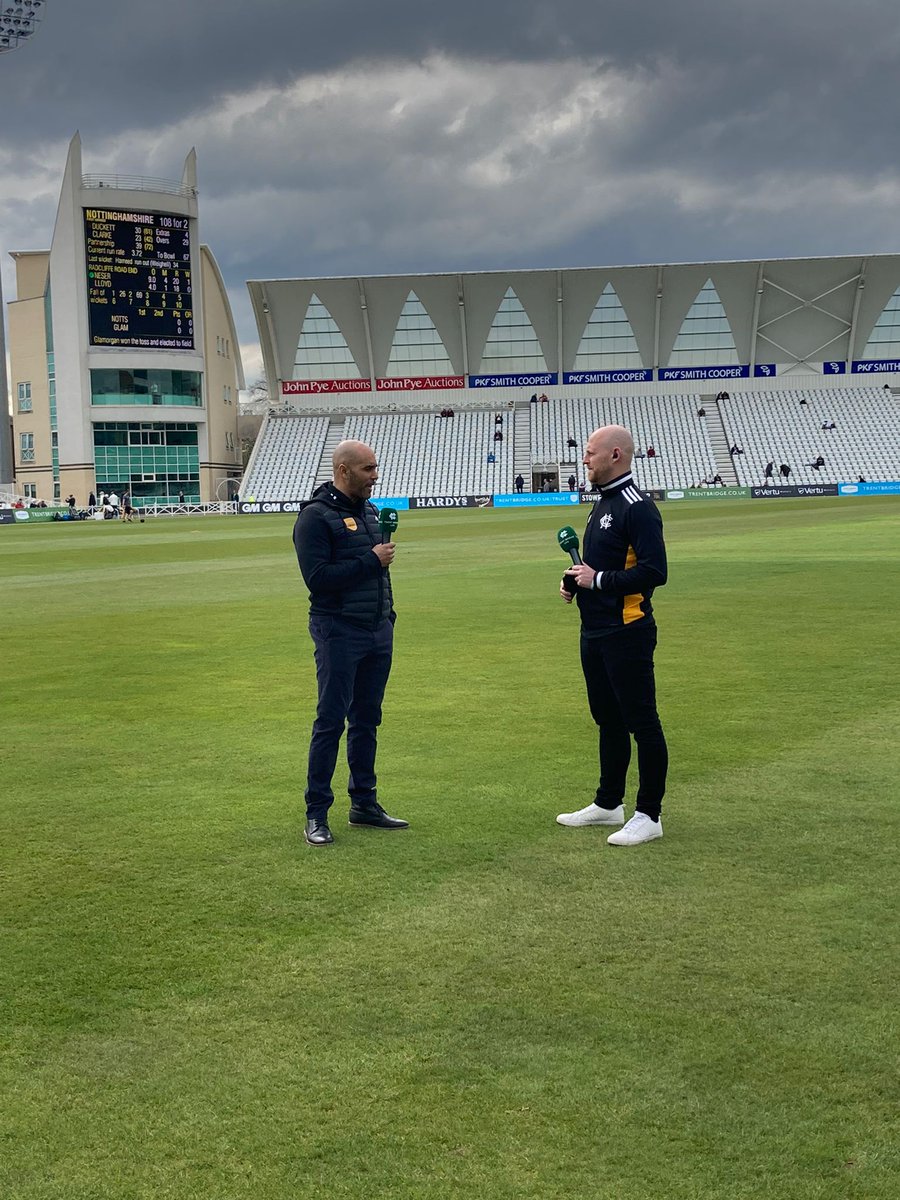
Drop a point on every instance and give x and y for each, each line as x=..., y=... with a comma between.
x=335, y=435
x=718, y=440
x=522, y=456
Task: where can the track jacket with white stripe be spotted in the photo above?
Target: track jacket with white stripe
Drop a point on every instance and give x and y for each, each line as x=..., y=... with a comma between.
x=624, y=544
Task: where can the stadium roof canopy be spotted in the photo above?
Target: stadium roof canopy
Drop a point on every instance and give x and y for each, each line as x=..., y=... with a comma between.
x=631, y=324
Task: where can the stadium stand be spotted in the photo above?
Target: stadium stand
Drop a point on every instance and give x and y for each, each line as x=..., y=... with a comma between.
x=775, y=426
x=668, y=423
x=421, y=454
x=285, y=458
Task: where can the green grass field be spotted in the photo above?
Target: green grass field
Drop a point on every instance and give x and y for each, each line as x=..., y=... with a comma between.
x=195, y=1004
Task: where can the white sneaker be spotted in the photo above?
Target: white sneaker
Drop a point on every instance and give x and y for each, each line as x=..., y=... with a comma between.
x=593, y=815
x=640, y=828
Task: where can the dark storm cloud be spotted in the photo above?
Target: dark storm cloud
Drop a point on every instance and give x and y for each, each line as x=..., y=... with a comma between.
x=104, y=65
x=342, y=137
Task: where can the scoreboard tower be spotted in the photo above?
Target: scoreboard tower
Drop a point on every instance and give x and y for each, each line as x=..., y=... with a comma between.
x=123, y=347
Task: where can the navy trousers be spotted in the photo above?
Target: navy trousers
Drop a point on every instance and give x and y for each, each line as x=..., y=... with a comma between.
x=352, y=669
x=621, y=688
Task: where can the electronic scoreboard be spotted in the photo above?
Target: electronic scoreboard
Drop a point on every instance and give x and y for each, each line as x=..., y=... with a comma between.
x=139, y=280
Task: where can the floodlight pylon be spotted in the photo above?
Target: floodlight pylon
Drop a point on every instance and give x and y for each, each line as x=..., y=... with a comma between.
x=19, y=22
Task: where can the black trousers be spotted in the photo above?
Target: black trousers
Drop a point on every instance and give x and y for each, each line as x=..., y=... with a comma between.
x=352, y=669
x=621, y=688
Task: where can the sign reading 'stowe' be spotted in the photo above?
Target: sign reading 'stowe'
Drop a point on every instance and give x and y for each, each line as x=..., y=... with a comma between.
x=451, y=501
x=420, y=383
x=318, y=387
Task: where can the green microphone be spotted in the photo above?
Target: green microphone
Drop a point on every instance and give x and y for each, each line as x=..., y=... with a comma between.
x=568, y=541
x=387, y=523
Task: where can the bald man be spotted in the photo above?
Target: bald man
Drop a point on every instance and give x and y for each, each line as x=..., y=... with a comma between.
x=624, y=559
x=351, y=621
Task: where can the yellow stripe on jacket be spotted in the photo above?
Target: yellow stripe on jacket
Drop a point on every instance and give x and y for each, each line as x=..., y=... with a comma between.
x=631, y=607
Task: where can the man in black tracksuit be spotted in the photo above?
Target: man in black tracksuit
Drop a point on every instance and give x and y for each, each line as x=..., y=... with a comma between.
x=351, y=622
x=624, y=559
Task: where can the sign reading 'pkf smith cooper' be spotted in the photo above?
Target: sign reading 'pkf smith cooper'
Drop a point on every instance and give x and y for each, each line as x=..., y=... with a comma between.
x=680, y=374
x=876, y=366
x=622, y=375
x=544, y=379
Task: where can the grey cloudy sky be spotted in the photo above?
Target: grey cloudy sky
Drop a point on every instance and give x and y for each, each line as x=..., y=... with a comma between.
x=352, y=136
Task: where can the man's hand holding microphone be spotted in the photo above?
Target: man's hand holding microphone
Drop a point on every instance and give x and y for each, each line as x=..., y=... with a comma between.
x=387, y=523
x=579, y=575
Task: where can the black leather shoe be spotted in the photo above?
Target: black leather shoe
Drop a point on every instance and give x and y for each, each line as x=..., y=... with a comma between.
x=374, y=816
x=317, y=832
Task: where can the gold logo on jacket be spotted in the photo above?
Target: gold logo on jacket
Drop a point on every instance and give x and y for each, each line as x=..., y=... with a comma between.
x=350, y=522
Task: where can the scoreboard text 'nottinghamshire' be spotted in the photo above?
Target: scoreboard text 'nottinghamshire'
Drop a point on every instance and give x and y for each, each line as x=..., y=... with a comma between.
x=139, y=280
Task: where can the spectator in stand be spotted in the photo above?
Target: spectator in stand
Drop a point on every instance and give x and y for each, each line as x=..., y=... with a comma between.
x=70, y=500
x=491, y=457
x=639, y=454
x=92, y=502
x=498, y=420
x=498, y=435
x=769, y=471
x=817, y=464
x=784, y=471
x=544, y=399
x=735, y=449
x=829, y=425
x=520, y=484
x=718, y=481
x=572, y=483
x=534, y=398
x=701, y=412
x=861, y=479
x=651, y=452
x=802, y=400
x=570, y=441
x=19, y=504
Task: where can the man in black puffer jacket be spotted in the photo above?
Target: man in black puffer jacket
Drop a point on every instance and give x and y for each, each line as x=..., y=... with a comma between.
x=351, y=622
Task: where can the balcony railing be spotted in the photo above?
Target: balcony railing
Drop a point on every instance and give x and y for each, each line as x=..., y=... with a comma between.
x=26, y=455
x=138, y=183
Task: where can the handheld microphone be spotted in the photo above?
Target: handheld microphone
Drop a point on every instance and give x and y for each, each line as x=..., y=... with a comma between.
x=568, y=541
x=387, y=523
